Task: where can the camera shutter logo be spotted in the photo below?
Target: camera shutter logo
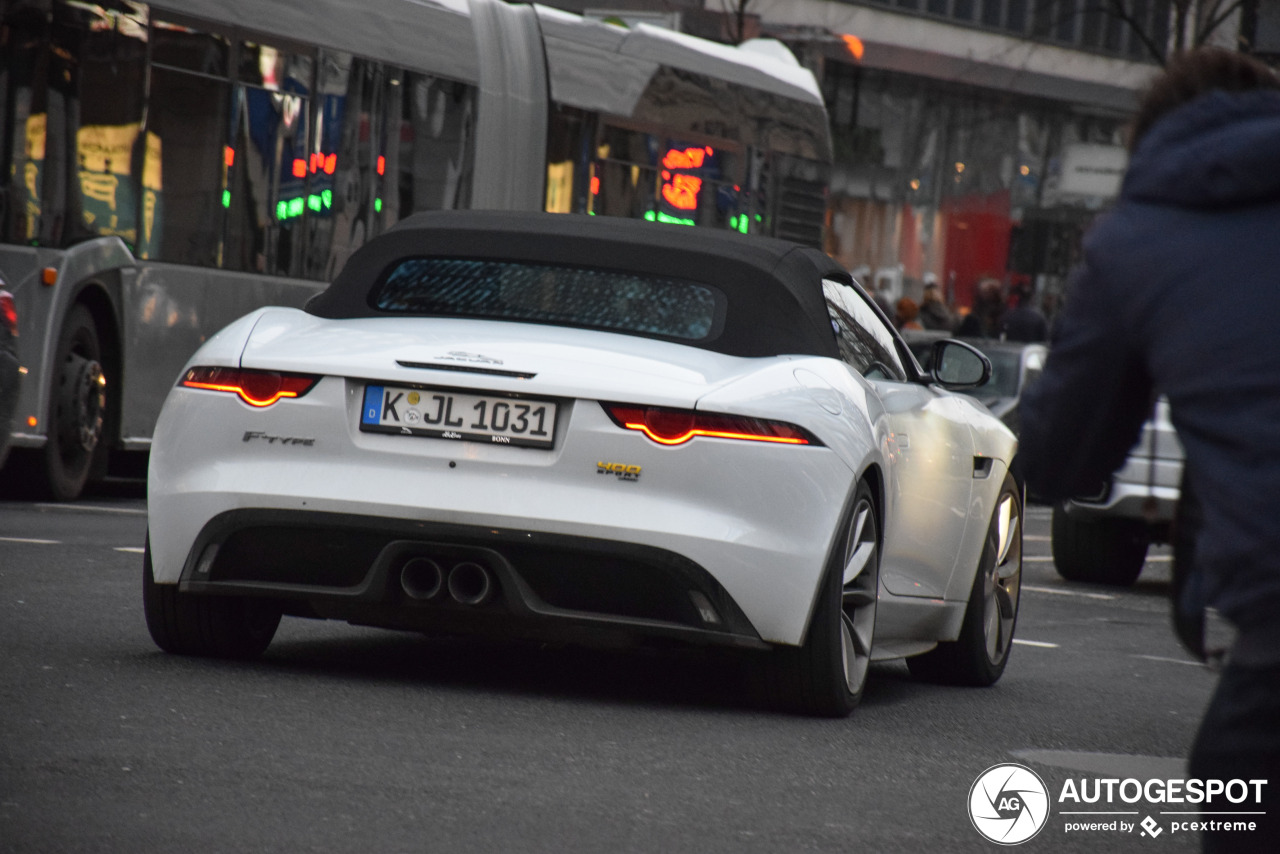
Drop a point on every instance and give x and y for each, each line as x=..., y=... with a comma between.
x=1008, y=804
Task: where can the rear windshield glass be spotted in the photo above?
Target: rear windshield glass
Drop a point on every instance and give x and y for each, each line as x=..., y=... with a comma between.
x=549, y=293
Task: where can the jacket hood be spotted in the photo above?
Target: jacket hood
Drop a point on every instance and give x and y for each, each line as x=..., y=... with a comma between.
x=1220, y=150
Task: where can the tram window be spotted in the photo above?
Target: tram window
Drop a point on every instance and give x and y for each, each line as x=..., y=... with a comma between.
x=570, y=134
x=388, y=143
x=270, y=164
x=436, y=142
x=108, y=144
x=188, y=118
x=176, y=46
x=23, y=66
x=626, y=173
x=350, y=120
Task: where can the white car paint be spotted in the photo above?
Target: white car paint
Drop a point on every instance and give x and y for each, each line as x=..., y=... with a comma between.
x=760, y=518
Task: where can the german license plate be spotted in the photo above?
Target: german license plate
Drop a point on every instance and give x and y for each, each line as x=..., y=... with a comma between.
x=445, y=414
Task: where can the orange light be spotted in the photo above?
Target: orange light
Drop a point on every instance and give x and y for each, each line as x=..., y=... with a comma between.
x=32, y=421
x=682, y=192
x=689, y=158
x=49, y=276
x=854, y=45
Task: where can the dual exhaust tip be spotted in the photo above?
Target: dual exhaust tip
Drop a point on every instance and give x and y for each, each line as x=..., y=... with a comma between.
x=467, y=582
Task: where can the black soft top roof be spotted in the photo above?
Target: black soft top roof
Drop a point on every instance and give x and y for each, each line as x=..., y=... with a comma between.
x=773, y=287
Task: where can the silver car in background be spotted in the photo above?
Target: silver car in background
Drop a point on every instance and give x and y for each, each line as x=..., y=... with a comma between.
x=1103, y=538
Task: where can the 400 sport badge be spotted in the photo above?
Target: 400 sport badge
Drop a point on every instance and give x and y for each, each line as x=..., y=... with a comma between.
x=1008, y=804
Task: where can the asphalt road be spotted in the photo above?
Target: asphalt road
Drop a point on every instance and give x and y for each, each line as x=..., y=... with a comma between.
x=351, y=739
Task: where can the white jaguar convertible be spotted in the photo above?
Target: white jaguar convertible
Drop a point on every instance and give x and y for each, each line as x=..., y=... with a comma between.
x=580, y=428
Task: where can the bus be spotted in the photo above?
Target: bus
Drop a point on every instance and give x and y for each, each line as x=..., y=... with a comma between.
x=170, y=166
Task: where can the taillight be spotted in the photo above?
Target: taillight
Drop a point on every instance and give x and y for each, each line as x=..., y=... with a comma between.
x=677, y=426
x=9, y=313
x=256, y=388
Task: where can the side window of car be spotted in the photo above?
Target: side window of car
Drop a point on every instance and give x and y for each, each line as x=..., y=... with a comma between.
x=864, y=340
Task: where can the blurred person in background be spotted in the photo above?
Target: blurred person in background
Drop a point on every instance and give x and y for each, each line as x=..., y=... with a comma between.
x=905, y=314
x=1178, y=294
x=986, y=320
x=1022, y=321
x=934, y=313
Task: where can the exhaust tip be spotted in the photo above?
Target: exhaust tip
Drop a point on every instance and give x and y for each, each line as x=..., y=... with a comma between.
x=421, y=578
x=470, y=583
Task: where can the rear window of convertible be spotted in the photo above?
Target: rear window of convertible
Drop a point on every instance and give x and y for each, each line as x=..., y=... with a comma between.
x=612, y=300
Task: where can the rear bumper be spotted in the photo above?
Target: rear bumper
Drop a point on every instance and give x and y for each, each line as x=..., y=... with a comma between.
x=757, y=519
x=366, y=570
x=1142, y=489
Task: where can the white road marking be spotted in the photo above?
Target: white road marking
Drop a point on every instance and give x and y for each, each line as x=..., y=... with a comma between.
x=1037, y=559
x=1041, y=644
x=28, y=540
x=1057, y=592
x=1036, y=538
x=1170, y=660
x=137, y=550
x=90, y=508
x=1109, y=764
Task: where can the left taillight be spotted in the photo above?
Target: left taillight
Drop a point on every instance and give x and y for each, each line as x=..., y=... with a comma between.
x=8, y=312
x=256, y=388
x=668, y=426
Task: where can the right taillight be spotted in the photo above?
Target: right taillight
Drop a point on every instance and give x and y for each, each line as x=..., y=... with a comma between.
x=668, y=426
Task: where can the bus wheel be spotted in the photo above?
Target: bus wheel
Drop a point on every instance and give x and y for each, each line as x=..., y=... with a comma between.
x=77, y=406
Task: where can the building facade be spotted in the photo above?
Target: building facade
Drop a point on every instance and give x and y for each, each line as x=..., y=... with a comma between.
x=973, y=138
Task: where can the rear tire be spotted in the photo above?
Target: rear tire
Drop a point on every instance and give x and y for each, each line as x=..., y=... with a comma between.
x=1099, y=551
x=77, y=407
x=979, y=655
x=211, y=626
x=827, y=675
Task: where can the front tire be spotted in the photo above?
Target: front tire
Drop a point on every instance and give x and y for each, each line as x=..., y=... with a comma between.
x=77, y=407
x=210, y=626
x=979, y=655
x=1099, y=551
x=827, y=675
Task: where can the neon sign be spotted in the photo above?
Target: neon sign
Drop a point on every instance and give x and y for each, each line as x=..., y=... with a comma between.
x=680, y=189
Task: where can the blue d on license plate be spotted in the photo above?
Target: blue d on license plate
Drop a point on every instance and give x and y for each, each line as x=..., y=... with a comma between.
x=449, y=414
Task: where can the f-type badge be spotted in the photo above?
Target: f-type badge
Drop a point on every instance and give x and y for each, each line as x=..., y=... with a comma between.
x=621, y=471
x=259, y=436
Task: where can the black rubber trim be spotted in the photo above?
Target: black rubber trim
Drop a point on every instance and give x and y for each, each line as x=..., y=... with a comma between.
x=375, y=598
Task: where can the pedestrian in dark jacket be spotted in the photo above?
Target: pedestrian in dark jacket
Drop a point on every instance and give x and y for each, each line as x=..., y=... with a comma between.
x=1023, y=322
x=934, y=313
x=1179, y=294
x=986, y=319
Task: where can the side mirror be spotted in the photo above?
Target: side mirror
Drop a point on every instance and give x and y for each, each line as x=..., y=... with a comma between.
x=958, y=366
